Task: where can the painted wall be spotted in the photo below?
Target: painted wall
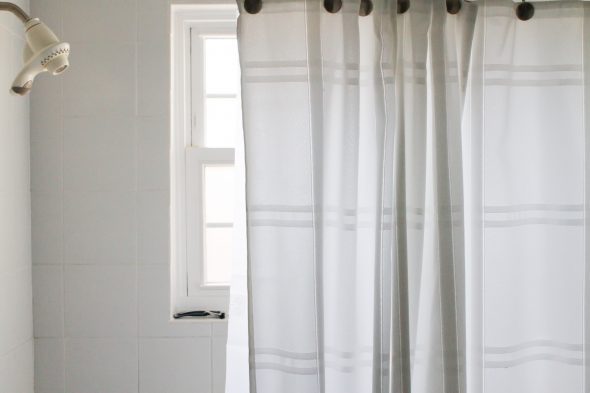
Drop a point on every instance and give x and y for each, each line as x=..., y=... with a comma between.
x=16, y=317
x=100, y=211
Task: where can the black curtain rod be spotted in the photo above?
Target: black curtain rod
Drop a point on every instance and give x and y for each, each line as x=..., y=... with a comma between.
x=524, y=11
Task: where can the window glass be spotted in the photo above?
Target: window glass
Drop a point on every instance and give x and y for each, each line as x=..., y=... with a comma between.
x=218, y=255
x=218, y=223
x=222, y=121
x=221, y=66
x=219, y=193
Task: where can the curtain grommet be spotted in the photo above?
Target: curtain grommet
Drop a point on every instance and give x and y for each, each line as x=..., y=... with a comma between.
x=332, y=6
x=525, y=11
x=453, y=6
x=252, y=6
x=366, y=7
x=403, y=6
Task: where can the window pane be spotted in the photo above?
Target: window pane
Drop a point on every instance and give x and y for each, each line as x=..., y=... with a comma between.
x=219, y=193
x=221, y=66
x=222, y=116
x=218, y=255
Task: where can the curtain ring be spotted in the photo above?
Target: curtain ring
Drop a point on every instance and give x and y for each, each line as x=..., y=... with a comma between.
x=453, y=6
x=252, y=6
x=332, y=6
x=525, y=11
x=403, y=6
x=366, y=7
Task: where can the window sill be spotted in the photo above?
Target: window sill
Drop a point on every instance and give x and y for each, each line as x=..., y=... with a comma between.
x=199, y=320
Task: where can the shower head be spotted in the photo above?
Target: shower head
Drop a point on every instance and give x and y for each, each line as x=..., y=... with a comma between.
x=43, y=51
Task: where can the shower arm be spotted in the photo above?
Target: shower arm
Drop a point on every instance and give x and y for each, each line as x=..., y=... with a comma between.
x=16, y=10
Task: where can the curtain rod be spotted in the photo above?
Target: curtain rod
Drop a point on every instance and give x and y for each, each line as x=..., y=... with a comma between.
x=524, y=10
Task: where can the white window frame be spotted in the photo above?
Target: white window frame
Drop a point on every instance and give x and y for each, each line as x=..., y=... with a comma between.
x=188, y=155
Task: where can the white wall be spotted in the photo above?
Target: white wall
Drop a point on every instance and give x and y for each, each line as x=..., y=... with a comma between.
x=100, y=196
x=16, y=324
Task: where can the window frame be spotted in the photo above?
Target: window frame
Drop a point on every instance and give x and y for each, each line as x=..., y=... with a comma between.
x=188, y=154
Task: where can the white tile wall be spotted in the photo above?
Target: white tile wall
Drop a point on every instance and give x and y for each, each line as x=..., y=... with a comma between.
x=100, y=301
x=49, y=365
x=48, y=304
x=170, y=365
x=47, y=227
x=100, y=210
x=16, y=315
x=102, y=82
x=99, y=153
x=100, y=227
x=101, y=365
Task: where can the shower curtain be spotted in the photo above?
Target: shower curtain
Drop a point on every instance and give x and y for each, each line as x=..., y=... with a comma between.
x=416, y=190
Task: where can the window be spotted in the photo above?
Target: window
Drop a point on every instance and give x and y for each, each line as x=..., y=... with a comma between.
x=206, y=127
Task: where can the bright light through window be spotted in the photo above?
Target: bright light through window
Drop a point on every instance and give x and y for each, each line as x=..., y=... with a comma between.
x=222, y=91
x=221, y=66
x=218, y=223
x=222, y=122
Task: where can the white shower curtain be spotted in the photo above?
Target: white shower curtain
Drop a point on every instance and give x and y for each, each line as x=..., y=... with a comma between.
x=416, y=200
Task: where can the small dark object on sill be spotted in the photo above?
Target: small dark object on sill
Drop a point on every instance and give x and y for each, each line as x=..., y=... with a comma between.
x=200, y=314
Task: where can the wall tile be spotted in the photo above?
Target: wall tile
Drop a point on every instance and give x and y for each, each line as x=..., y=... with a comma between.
x=50, y=12
x=218, y=363
x=49, y=365
x=154, y=307
x=180, y=365
x=99, y=21
x=46, y=164
x=10, y=25
x=16, y=323
x=101, y=366
x=16, y=309
x=16, y=369
x=153, y=21
x=100, y=301
x=48, y=309
x=154, y=227
x=7, y=42
x=15, y=146
x=100, y=227
x=99, y=153
x=15, y=231
x=47, y=228
x=219, y=329
x=101, y=80
x=153, y=73
x=46, y=106
x=153, y=139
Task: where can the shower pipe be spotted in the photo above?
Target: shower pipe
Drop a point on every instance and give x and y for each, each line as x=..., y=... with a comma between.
x=16, y=10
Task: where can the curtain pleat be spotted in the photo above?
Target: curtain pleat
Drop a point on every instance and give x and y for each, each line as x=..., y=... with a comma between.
x=415, y=196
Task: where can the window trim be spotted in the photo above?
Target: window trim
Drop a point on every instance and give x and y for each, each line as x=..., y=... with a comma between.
x=185, y=17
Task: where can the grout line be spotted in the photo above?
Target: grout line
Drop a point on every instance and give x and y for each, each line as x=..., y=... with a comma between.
x=136, y=179
x=98, y=264
x=63, y=242
x=125, y=337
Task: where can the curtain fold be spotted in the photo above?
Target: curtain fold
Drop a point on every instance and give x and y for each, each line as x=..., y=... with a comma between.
x=415, y=196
